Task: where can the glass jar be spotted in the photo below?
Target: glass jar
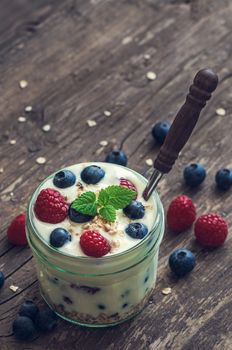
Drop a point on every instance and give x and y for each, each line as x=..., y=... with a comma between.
x=97, y=292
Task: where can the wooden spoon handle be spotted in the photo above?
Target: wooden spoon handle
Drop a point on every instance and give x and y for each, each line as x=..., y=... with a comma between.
x=205, y=82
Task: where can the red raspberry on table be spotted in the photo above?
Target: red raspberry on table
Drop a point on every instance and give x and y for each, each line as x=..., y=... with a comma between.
x=51, y=206
x=94, y=244
x=211, y=230
x=181, y=214
x=16, y=232
x=127, y=183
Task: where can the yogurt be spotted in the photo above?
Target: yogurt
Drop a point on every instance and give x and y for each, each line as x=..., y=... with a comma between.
x=113, y=232
x=97, y=291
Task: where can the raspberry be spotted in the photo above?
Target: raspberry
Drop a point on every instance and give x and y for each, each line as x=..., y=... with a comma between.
x=211, y=230
x=94, y=244
x=181, y=214
x=50, y=206
x=16, y=232
x=127, y=183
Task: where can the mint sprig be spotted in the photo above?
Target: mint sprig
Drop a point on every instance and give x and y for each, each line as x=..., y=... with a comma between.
x=109, y=200
x=86, y=203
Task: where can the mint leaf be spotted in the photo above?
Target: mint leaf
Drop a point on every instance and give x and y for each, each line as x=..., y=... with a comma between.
x=103, y=198
x=108, y=213
x=119, y=197
x=86, y=204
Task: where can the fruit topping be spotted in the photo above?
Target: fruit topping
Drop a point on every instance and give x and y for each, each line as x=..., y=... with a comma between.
x=51, y=206
x=64, y=179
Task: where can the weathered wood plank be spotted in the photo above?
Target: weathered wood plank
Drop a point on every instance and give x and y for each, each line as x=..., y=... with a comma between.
x=77, y=66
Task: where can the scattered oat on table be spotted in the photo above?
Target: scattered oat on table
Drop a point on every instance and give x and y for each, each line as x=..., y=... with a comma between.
x=46, y=127
x=91, y=123
x=12, y=142
x=20, y=46
x=127, y=40
x=1, y=170
x=107, y=113
x=103, y=143
x=221, y=112
x=22, y=119
x=166, y=291
x=147, y=56
x=149, y=162
x=21, y=162
x=41, y=160
x=14, y=288
x=151, y=75
x=23, y=84
x=28, y=109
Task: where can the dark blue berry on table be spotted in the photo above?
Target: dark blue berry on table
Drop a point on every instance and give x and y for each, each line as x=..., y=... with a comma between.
x=2, y=279
x=159, y=131
x=135, y=210
x=28, y=309
x=182, y=261
x=46, y=320
x=223, y=179
x=75, y=216
x=137, y=230
x=23, y=328
x=59, y=237
x=194, y=174
x=64, y=178
x=92, y=174
x=117, y=157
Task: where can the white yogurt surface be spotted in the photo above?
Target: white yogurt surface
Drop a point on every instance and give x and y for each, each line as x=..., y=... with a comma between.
x=115, y=233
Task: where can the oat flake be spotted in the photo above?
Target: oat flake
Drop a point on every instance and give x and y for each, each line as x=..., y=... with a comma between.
x=221, y=112
x=127, y=40
x=166, y=291
x=28, y=108
x=103, y=143
x=91, y=123
x=46, y=127
x=107, y=113
x=22, y=119
x=1, y=170
x=146, y=56
x=23, y=84
x=41, y=160
x=14, y=288
x=12, y=142
x=151, y=75
x=149, y=162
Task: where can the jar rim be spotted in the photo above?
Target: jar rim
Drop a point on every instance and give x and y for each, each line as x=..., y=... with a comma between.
x=159, y=216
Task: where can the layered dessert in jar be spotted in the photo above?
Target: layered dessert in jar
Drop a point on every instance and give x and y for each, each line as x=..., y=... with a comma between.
x=95, y=241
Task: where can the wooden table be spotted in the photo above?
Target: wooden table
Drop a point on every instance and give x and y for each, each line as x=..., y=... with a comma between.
x=81, y=58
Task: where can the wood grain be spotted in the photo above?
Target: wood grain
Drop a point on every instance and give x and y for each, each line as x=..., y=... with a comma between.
x=78, y=63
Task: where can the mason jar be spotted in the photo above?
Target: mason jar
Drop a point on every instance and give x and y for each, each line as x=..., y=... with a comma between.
x=97, y=292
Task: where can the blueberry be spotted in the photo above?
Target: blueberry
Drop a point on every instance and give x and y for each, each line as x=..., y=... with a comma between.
x=223, y=179
x=2, y=279
x=101, y=306
x=159, y=131
x=135, y=210
x=116, y=157
x=46, y=320
x=182, y=261
x=137, y=230
x=78, y=217
x=124, y=305
x=92, y=174
x=194, y=174
x=64, y=178
x=59, y=237
x=28, y=309
x=23, y=328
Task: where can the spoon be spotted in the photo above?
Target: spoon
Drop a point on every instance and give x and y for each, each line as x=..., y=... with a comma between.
x=204, y=83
